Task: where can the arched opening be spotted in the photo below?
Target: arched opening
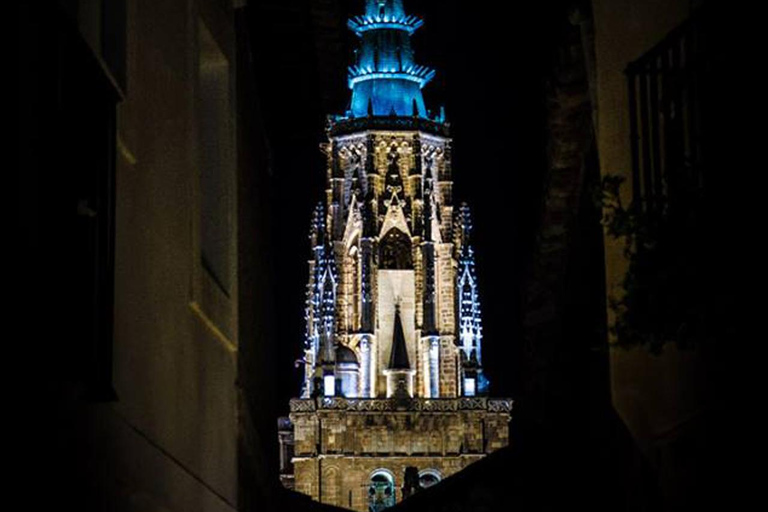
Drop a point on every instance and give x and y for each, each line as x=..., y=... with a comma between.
x=381, y=491
x=429, y=477
x=395, y=251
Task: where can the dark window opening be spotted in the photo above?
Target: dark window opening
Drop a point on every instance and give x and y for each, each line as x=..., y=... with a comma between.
x=395, y=252
x=79, y=214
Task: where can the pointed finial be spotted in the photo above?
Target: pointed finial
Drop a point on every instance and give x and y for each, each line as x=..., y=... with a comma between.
x=398, y=357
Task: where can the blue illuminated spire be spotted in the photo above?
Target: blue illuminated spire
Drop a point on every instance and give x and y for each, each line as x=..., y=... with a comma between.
x=470, y=315
x=385, y=80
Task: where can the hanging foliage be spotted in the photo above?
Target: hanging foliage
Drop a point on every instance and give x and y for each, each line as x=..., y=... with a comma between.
x=666, y=294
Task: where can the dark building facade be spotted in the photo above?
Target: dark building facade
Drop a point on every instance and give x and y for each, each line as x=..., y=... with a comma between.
x=143, y=201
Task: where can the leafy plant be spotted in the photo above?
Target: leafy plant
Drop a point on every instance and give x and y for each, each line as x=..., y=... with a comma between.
x=665, y=297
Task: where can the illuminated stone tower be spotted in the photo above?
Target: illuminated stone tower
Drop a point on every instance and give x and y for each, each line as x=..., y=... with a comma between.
x=394, y=381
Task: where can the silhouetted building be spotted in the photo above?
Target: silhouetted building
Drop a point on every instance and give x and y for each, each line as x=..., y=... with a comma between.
x=143, y=211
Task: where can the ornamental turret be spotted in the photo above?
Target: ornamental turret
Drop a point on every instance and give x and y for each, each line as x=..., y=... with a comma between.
x=385, y=80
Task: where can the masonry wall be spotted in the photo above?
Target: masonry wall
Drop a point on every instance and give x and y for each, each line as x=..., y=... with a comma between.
x=337, y=451
x=345, y=480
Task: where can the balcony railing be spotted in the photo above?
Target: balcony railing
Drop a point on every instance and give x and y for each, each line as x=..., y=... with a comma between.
x=666, y=89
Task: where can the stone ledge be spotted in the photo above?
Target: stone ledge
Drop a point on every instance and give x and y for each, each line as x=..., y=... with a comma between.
x=345, y=126
x=497, y=405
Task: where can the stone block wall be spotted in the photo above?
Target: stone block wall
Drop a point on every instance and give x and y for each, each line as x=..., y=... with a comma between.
x=344, y=480
x=448, y=367
x=339, y=444
x=496, y=432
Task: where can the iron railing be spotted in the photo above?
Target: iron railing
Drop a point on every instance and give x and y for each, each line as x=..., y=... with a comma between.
x=667, y=87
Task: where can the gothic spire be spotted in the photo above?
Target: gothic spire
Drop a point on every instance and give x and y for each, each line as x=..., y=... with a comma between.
x=398, y=358
x=470, y=319
x=385, y=80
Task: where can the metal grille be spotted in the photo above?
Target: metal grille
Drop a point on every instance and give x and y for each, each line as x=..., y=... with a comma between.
x=666, y=91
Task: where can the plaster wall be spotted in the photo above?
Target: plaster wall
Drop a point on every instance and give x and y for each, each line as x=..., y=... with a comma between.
x=653, y=394
x=175, y=345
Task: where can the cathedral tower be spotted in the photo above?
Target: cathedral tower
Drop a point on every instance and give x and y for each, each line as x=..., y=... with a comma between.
x=393, y=373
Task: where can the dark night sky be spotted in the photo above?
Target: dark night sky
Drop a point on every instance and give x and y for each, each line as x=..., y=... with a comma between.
x=489, y=77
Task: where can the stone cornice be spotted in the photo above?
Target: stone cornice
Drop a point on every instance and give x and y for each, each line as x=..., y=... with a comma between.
x=494, y=405
x=345, y=126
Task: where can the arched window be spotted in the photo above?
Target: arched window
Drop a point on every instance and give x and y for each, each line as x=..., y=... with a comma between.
x=395, y=251
x=381, y=491
x=429, y=477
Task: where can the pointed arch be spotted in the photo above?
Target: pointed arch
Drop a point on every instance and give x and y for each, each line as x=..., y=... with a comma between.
x=395, y=251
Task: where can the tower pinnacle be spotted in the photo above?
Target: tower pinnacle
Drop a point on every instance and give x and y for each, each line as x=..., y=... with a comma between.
x=385, y=80
x=398, y=359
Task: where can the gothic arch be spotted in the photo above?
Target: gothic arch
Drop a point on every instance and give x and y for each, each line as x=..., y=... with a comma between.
x=331, y=491
x=395, y=251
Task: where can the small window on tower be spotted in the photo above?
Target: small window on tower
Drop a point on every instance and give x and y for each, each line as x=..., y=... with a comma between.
x=329, y=385
x=469, y=386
